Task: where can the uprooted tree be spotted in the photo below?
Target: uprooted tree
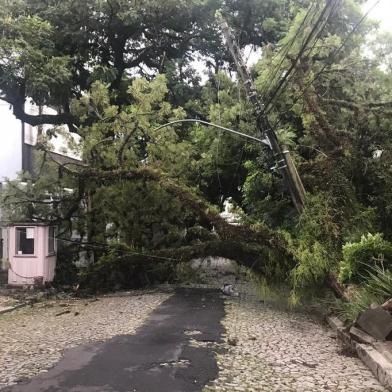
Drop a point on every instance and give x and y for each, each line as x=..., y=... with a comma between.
x=132, y=195
x=144, y=199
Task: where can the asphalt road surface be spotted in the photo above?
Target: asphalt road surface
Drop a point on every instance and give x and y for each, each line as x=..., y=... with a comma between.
x=160, y=357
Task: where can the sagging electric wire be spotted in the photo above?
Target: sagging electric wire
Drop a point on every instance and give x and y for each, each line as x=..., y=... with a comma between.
x=334, y=54
x=312, y=35
x=269, y=105
x=343, y=44
x=102, y=246
x=285, y=50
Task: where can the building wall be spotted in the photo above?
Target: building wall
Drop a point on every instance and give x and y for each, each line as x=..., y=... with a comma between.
x=16, y=145
x=50, y=259
x=4, y=250
x=24, y=268
x=10, y=143
x=12, y=159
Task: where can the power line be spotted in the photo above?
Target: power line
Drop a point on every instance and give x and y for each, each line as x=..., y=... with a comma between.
x=334, y=54
x=316, y=40
x=298, y=57
x=355, y=28
x=107, y=246
x=283, y=159
x=285, y=50
x=313, y=34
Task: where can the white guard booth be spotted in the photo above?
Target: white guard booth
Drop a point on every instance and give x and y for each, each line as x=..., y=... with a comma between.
x=32, y=251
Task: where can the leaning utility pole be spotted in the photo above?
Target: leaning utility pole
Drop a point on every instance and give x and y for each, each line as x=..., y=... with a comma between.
x=283, y=158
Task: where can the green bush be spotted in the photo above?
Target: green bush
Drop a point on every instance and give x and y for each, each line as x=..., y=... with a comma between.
x=375, y=290
x=315, y=247
x=184, y=273
x=379, y=283
x=360, y=257
x=349, y=311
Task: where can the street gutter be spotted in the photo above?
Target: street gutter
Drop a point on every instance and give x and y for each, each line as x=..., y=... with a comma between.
x=375, y=354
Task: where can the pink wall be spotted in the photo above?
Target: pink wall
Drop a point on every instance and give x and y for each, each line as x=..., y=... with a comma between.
x=24, y=268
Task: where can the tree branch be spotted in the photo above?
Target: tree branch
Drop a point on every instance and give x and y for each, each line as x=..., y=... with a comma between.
x=17, y=101
x=41, y=119
x=204, y=210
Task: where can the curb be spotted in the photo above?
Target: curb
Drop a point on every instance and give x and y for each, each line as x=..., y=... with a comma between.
x=11, y=308
x=364, y=346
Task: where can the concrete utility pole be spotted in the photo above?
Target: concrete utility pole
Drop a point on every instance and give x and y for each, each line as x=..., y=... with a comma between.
x=283, y=158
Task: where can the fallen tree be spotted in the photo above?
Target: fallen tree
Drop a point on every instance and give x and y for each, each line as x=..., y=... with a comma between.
x=245, y=232
x=121, y=266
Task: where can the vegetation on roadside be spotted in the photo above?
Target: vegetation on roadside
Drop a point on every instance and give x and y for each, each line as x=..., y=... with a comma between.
x=358, y=257
x=375, y=289
x=145, y=199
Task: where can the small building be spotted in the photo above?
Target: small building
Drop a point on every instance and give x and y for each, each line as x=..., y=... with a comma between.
x=31, y=253
x=18, y=141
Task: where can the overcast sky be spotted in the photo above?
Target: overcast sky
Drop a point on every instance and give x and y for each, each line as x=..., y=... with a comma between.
x=381, y=12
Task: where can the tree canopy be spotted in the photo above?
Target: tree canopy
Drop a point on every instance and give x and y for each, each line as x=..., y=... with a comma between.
x=117, y=70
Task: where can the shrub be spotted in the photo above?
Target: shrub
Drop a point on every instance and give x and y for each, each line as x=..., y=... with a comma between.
x=184, y=273
x=315, y=247
x=361, y=300
x=379, y=283
x=375, y=290
x=360, y=257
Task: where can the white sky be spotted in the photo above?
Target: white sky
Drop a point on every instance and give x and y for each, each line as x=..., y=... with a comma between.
x=381, y=12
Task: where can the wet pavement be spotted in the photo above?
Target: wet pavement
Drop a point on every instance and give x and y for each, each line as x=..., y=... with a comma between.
x=159, y=357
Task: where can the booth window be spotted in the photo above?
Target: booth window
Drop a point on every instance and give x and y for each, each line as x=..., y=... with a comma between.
x=25, y=240
x=51, y=240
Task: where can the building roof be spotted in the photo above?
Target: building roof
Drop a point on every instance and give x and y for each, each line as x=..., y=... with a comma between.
x=24, y=224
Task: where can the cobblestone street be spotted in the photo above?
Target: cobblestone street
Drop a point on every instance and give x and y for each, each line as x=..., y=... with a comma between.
x=264, y=349
x=32, y=339
x=273, y=350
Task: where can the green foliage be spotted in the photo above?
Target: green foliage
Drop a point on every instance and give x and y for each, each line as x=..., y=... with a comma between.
x=263, y=198
x=115, y=73
x=66, y=271
x=379, y=282
x=185, y=274
x=376, y=289
x=119, y=267
x=141, y=214
x=27, y=45
x=57, y=50
x=359, y=257
x=349, y=311
x=315, y=245
x=218, y=160
x=314, y=263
